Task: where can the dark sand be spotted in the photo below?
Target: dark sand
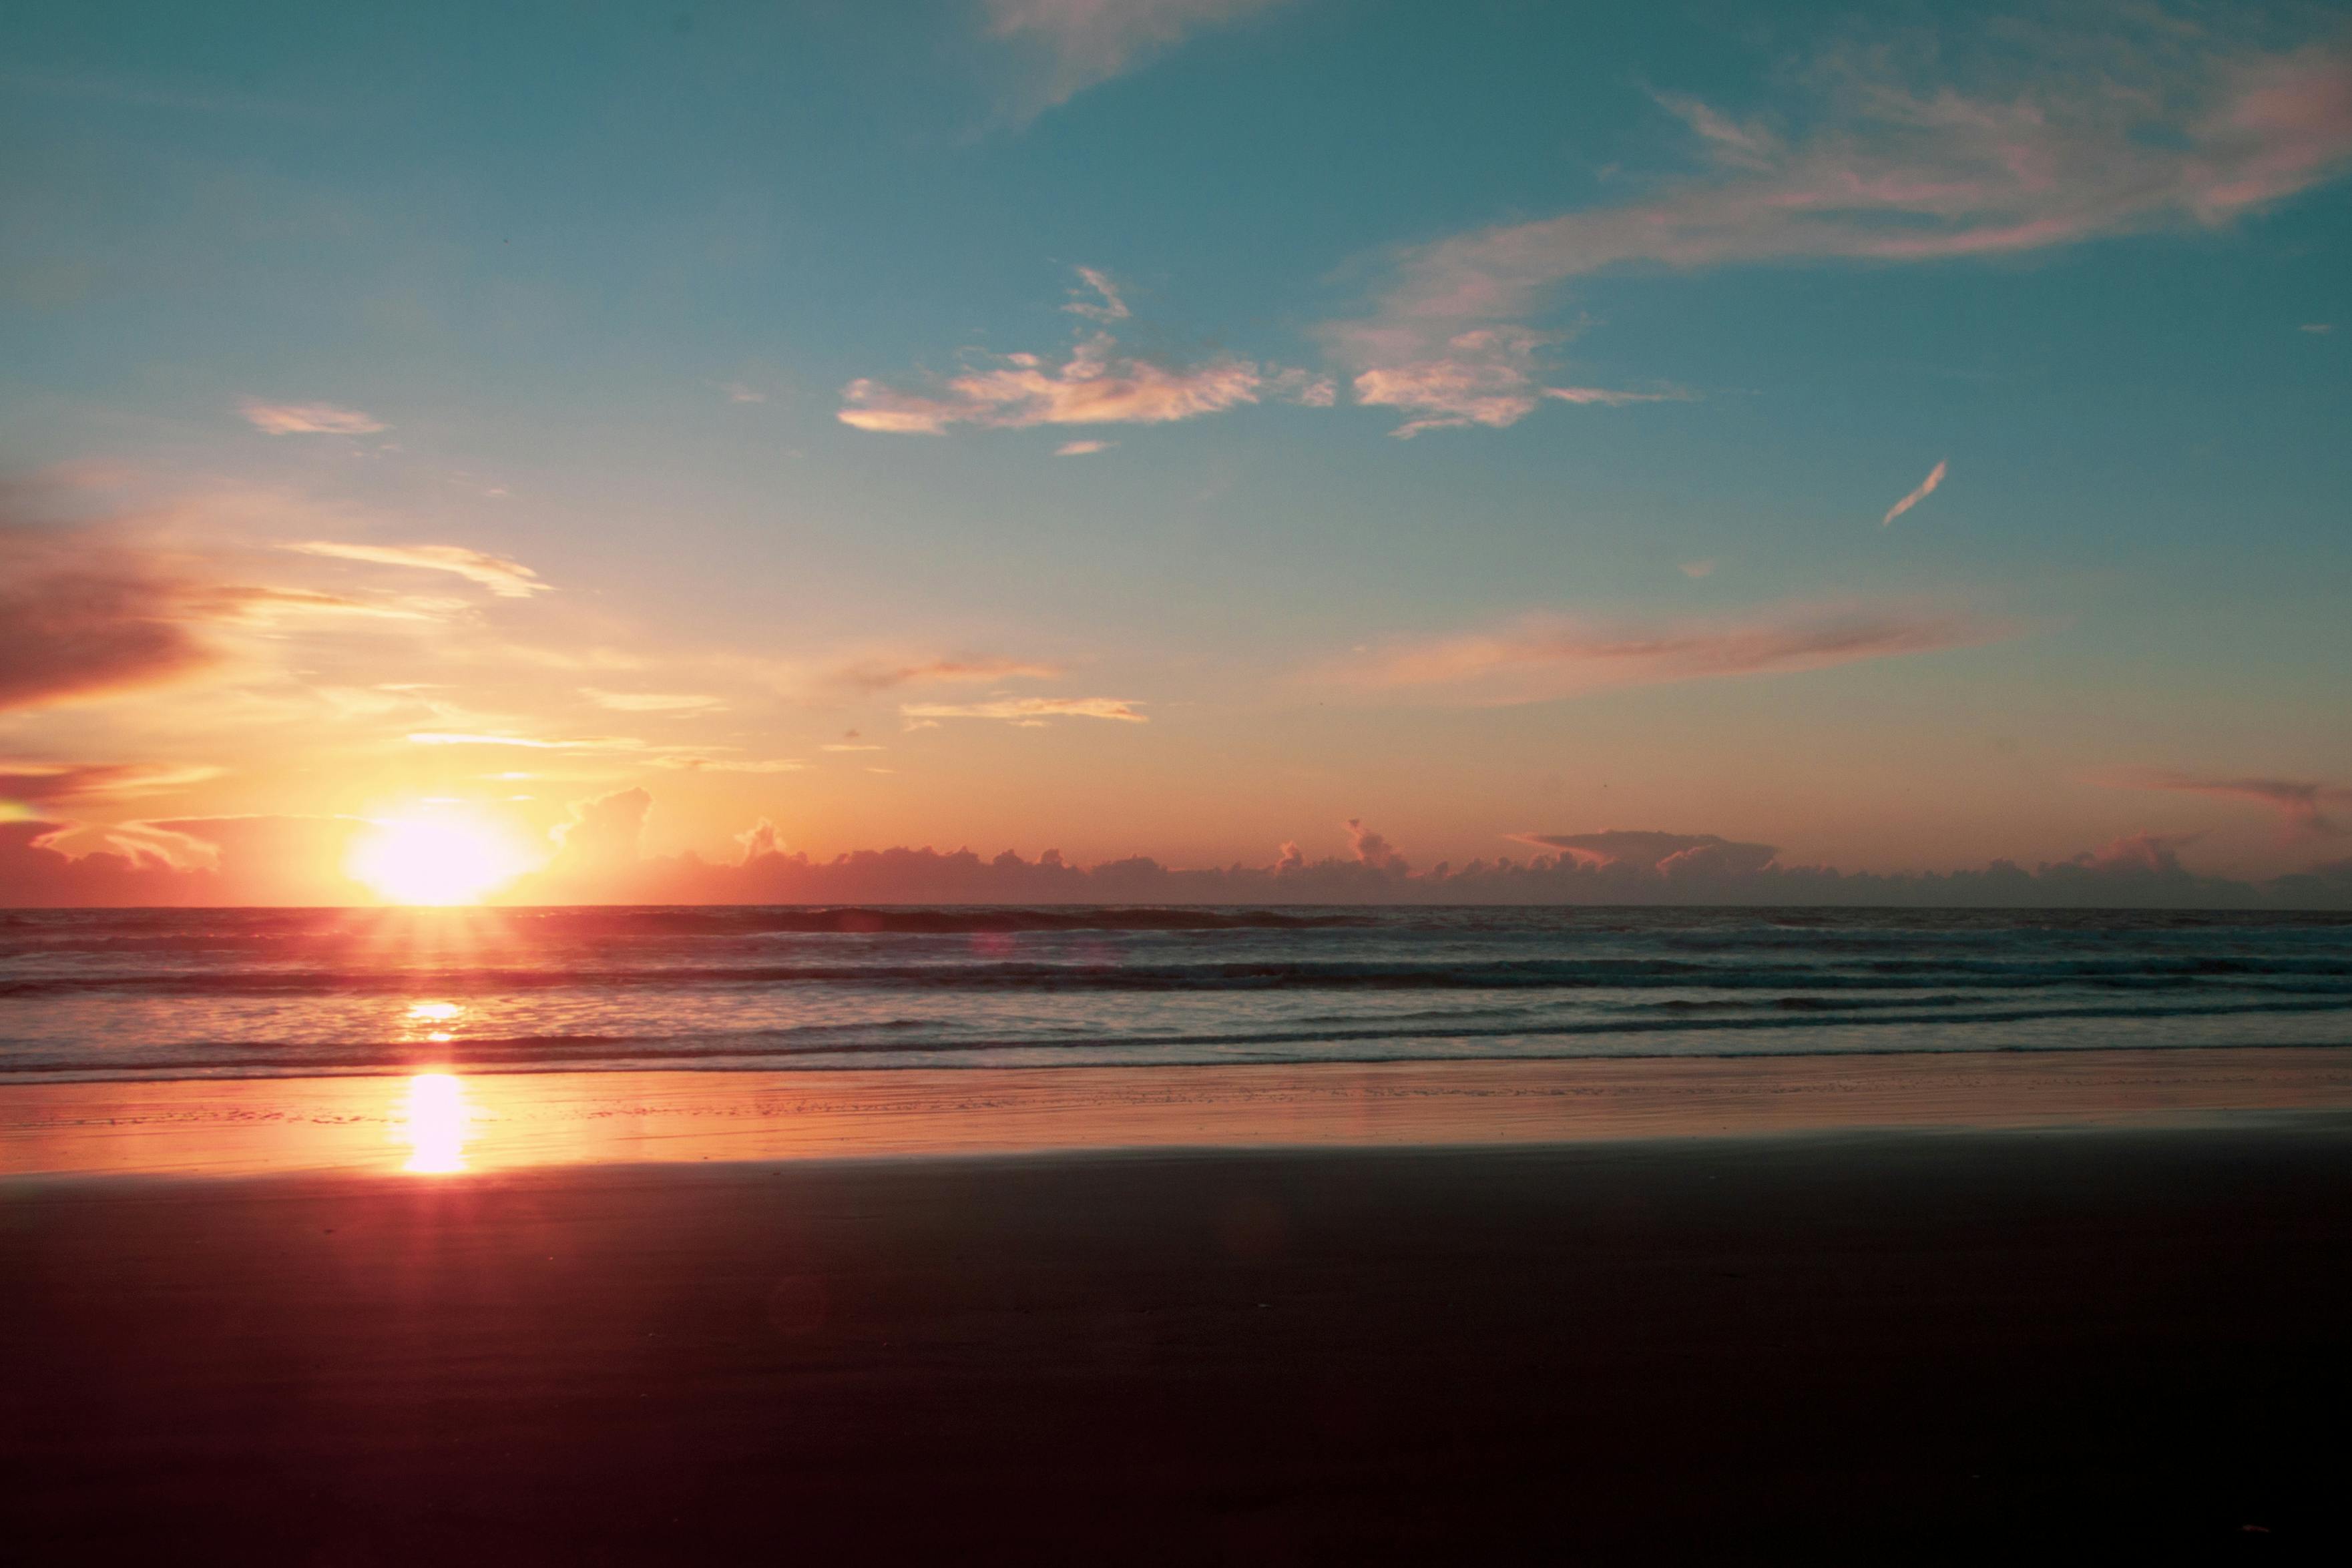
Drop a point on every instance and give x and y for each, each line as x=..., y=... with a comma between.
x=1919, y=1344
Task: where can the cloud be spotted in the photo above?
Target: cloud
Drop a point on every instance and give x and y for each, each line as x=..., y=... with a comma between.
x=600, y=858
x=1028, y=710
x=1371, y=849
x=187, y=862
x=2298, y=803
x=652, y=702
x=691, y=763
x=882, y=675
x=1541, y=658
x=602, y=835
x=2318, y=328
x=1105, y=306
x=1096, y=386
x=309, y=419
x=1668, y=855
x=1486, y=376
x=504, y=578
x=448, y=738
x=1609, y=867
x=1088, y=42
x=1926, y=488
x=1082, y=448
x=1697, y=568
x=739, y=391
x=43, y=784
x=82, y=617
x=2127, y=128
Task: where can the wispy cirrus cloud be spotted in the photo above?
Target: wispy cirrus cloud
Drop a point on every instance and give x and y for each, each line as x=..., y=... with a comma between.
x=1097, y=384
x=47, y=783
x=1924, y=489
x=653, y=702
x=308, y=418
x=507, y=578
x=1488, y=376
x=887, y=674
x=2299, y=802
x=1541, y=658
x=1088, y=42
x=1030, y=711
x=2135, y=126
x=695, y=762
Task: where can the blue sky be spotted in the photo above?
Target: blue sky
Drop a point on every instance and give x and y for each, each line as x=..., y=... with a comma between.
x=1543, y=380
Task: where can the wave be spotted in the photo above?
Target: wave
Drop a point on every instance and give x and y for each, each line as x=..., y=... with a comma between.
x=2297, y=974
x=771, y=1047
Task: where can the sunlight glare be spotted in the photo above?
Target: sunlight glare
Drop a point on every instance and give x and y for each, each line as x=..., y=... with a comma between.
x=435, y=1124
x=441, y=859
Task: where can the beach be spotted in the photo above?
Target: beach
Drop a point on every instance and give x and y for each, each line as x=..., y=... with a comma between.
x=1943, y=1335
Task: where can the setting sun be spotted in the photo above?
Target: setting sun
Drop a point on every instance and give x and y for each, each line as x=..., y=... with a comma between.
x=435, y=859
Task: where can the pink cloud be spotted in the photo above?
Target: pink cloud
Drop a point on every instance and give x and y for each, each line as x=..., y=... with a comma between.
x=1028, y=710
x=884, y=674
x=309, y=419
x=1371, y=849
x=1662, y=854
x=2127, y=131
x=1926, y=487
x=600, y=858
x=1486, y=376
x=2298, y=803
x=1088, y=42
x=83, y=617
x=1542, y=657
x=507, y=578
x=43, y=784
x=1096, y=386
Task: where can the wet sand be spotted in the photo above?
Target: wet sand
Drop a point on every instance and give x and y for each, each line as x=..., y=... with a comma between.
x=494, y=1121
x=1901, y=1344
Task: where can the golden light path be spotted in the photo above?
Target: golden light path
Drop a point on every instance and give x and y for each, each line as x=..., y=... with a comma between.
x=435, y=1124
x=437, y=1127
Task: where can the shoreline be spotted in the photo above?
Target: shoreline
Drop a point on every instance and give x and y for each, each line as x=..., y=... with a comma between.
x=477, y=1124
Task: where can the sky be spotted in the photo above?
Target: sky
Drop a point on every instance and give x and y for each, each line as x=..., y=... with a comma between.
x=692, y=451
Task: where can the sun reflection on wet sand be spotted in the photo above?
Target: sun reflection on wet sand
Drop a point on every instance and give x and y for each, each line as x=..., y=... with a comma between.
x=435, y=1123
x=439, y=1123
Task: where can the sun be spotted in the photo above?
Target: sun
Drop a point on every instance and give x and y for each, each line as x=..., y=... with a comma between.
x=441, y=859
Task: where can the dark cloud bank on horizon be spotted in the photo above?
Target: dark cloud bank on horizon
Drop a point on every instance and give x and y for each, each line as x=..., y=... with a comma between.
x=599, y=860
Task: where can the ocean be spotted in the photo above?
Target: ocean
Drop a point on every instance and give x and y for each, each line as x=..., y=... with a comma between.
x=268, y=993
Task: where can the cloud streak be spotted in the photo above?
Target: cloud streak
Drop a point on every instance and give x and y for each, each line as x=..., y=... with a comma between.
x=884, y=674
x=507, y=578
x=1926, y=487
x=1029, y=710
x=307, y=419
x=2300, y=803
x=2126, y=131
x=1088, y=42
x=82, y=618
x=1541, y=658
x=1097, y=384
x=1486, y=376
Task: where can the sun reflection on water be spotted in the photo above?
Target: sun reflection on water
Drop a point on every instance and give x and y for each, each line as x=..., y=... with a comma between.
x=428, y=1013
x=435, y=1124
